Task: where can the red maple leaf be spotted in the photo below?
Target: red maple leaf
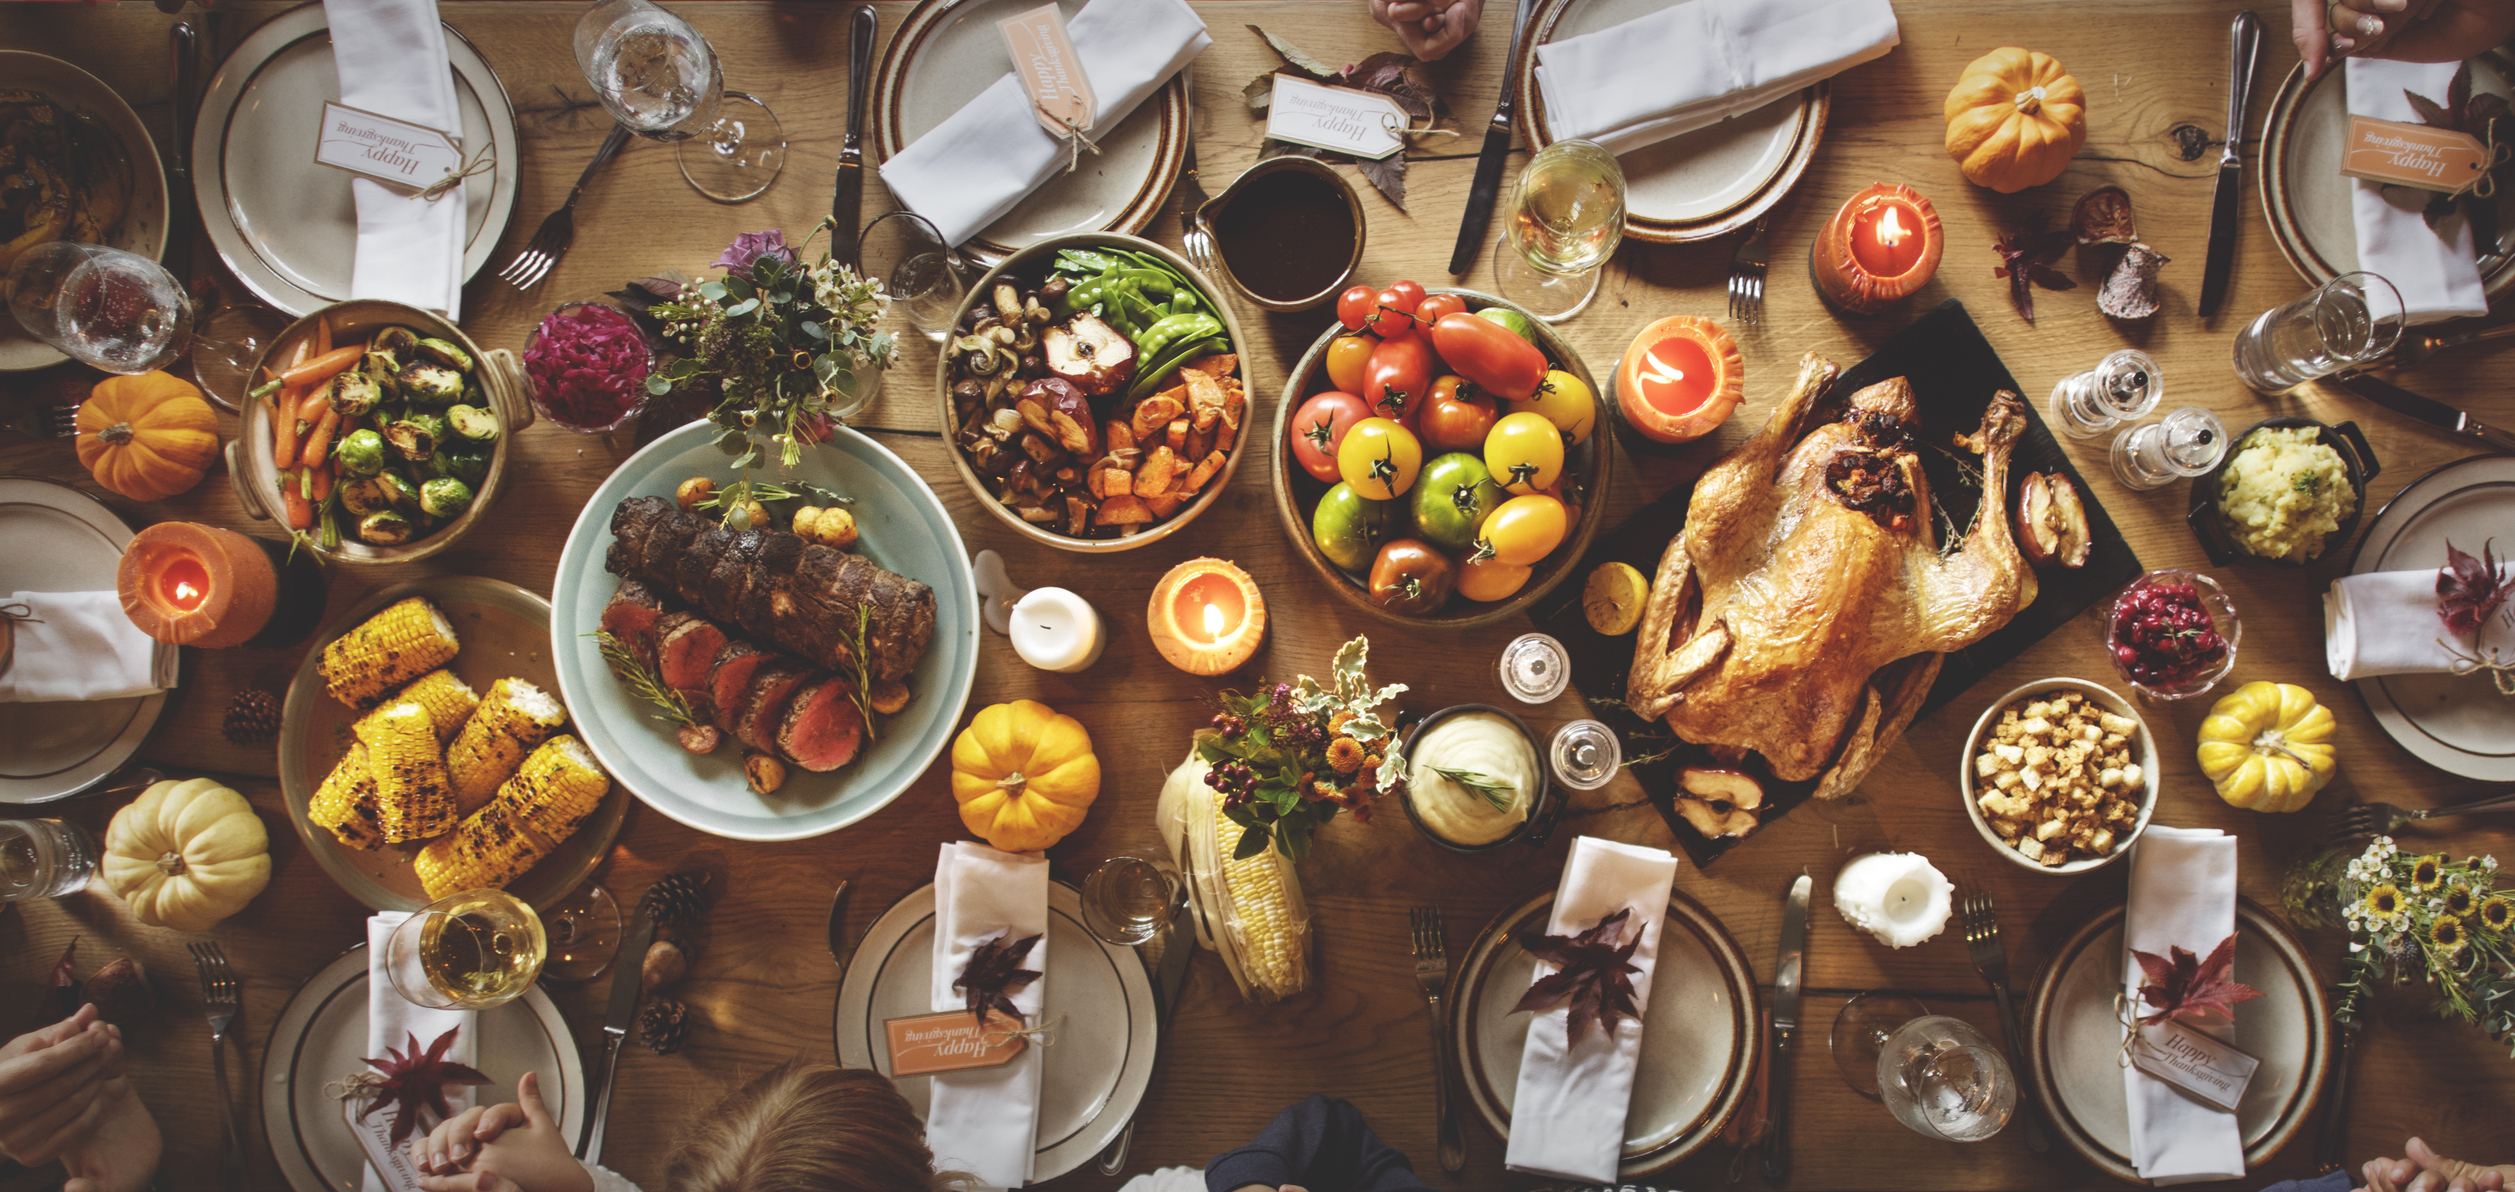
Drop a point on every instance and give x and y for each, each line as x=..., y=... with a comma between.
x=415, y=1078
x=2190, y=985
x=1594, y=976
x=2469, y=589
x=994, y=971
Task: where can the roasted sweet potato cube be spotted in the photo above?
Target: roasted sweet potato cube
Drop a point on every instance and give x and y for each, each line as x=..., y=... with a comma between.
x=1225, y=433
x=1221, y=364
x=1205, y=397
x=1165, y=505
x=1111, y=482
x=1201, y=442
x=1176, y=437
x=1122, y=510
x=1205, y=470
x=1158, y=475
x=1154, y=413
x=1235, y=402
x=1117, y=435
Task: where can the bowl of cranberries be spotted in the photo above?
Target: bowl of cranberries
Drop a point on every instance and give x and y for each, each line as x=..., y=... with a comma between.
x=2172, y=634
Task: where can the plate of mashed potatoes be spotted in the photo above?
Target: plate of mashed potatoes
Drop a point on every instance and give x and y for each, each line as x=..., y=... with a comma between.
x=2288, y=491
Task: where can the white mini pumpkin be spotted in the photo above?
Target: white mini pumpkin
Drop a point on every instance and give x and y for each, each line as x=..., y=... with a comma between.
x=187, y=854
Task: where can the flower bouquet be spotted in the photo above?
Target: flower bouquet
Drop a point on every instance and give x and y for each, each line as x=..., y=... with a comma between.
x=2409, y=915
x=1291, y=757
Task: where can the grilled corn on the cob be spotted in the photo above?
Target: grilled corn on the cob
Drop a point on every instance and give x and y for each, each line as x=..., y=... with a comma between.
x=345, y=805
x=515, y=718
x=408, y=639
x=1263, y=916
x=449, y=701
x=531, y=815
x=412, y=798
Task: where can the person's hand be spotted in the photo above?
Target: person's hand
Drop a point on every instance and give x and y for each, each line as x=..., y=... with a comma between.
x=2408, y=30
x=2426, y=1171
x=51, y=1083
x=1431, y=28
x=512, y=1148
x=122, y=1154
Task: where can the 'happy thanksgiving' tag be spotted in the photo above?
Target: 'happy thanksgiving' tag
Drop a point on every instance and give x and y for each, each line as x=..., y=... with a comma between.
x=397, y=153
x=1343, y=119
x=951, y=1040
x=1051, y=72
x=2206, y=1067
x=375, y=1137
x=2414, y=155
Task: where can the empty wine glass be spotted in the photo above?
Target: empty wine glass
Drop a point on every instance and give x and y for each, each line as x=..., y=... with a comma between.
x=1566, y=218
x=1944, y=1079
x=1128, y=900
x=108, y=309
x=1861, y=1029
x=584, y=932
x=920, y=272
x=660, y=78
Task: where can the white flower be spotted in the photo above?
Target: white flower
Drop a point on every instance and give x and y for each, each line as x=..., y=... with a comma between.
x=2401, y=923
x=2489, y=864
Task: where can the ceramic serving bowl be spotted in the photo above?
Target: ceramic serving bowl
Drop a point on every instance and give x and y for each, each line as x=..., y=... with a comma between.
x=1541, y=802
x=2209, y=524
x=2103, y=697
x=1032, y=263
x=1587, y=468
x=1211, y=211
x=255, y=476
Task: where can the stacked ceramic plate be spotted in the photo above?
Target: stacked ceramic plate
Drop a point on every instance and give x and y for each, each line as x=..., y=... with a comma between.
x=99, y=114
x=62, y=540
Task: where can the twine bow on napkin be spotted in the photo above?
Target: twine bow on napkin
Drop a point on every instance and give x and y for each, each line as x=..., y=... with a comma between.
x=1075, y=141
x=484, y=162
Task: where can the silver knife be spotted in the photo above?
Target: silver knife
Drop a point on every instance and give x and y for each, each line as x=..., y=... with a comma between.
x=837, y=929
x=1786, y=971
x=2426, y=409
x=627, y=974
x=1488, y=184
x=2245, y=57
x=1170, y=975
x=183, y=59
x=847, y=205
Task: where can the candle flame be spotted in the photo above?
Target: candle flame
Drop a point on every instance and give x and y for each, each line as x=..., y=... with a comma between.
x=1891, y=230
x=1213, y=621
x=186, y=594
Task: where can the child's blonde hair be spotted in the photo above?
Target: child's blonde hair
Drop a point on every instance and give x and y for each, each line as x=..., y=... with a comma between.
x=809, y=1128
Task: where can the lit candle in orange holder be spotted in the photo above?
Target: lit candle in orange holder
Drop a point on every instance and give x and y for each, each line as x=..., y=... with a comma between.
x=1883, y=245
x=1680, y=380
x=196, y=585
x=1207, y=617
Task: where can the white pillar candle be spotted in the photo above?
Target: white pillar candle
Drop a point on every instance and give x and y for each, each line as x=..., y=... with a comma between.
x=1898, y=897
x=1054, y=630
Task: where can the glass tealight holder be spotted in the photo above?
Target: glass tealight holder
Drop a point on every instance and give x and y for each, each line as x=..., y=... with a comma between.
x=1534, y=668
x=2181, y=445
x=2123, y=387
x=1585, y=755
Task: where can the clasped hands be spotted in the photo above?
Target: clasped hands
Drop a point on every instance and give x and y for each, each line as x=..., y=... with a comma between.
x=514, y=1147
x=63, y=1096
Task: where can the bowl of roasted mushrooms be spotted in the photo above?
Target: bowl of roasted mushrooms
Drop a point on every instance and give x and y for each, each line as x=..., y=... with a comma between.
x=1092, y=388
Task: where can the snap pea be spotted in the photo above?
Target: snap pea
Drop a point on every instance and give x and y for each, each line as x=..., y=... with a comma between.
x=1171, y=330
x=1149, y=379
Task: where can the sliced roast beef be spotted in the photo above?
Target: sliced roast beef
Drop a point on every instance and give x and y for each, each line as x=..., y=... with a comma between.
x=731, y=678
x=630, y=619
x=822, y=729
x=773, y=686
x=685, y=656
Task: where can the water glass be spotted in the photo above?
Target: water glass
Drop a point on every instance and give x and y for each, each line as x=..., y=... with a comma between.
x=469, y=950
x=2179, y=446
x=2123, y=387
x=1944, y=1079
x=108, y=309
x=1128, y=900
x=660, y=78
x=1566, y=217
x=921, y=273
x=44, y=858
x=1861, y=1029
x=2351, y=320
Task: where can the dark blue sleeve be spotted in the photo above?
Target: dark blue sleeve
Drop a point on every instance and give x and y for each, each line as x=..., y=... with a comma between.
x=1320, y=1144
x=2330, y=1181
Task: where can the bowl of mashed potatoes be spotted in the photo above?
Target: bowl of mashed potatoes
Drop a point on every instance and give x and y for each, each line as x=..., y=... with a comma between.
x=1476, y=779
x=2288, y=491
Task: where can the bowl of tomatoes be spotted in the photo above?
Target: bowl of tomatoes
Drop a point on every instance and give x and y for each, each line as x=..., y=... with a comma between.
x=1437, y=458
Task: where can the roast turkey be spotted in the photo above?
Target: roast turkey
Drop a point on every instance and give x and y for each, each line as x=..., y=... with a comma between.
x=1803, y=610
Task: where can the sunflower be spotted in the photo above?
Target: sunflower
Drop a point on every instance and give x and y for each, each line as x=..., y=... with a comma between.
x=2384, y=901
x=2428, y=872
x=2496, y=913
x=2458, y=901
x=2448, y=935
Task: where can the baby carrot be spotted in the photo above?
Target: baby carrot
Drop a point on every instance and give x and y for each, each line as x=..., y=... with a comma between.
x=314, y=406
x=284, y=434
x=300, y=510
x=319, y=443
x=323, y=478
x=319, y=369
x=322, y=335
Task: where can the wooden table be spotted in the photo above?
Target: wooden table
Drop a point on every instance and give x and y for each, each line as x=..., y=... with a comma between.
x=763, y=988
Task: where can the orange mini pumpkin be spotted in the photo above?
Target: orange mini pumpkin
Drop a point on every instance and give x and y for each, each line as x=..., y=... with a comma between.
x=147, y=437
x=2015, y=119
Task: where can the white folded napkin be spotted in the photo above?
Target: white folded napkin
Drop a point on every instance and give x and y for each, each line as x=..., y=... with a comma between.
x=392, y=1020
x=982, y=160
x=391, y=58
x=2437, y=275
x=2183, y=895
x=2385, y=623
x=985, y=1120
x=1696, y=64
x=81, y=646
x=1567, y=1121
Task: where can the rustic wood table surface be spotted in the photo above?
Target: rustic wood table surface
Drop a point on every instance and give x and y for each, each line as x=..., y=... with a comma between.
x=763, y=990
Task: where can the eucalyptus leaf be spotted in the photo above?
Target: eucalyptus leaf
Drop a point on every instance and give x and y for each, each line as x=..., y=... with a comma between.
x=739, y=288
x=744, y=307
x=815, y=330
x=658, y=385
x=713, y=291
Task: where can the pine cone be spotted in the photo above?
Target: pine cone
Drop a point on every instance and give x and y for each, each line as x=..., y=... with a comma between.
x=676, y=900
x=252, y=718
x=661, y=1025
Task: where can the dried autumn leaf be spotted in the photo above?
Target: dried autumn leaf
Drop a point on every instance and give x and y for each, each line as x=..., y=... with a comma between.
x=2469, y=589
x=1301, y=60
x=2103, y=216
x=2189, y=985
x=2023, y=261
x=1594, y=975
x=415, y=1079
x=994, y=971
x=65, y=980
x=1388, y=175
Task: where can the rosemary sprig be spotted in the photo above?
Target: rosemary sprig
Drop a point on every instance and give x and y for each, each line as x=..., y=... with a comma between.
x=864, y=671
x=1490, y=789
x=674, y=707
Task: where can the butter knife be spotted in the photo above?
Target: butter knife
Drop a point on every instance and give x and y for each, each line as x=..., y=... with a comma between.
x=2245, y=57
x=837, y=928
x=1786, y=972
x=626, y=974
x=1488, y=184
x=847, y=205
x=2426, y=409
x=183, y=61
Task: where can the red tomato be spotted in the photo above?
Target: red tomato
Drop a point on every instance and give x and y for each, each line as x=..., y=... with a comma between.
x=1430, y=310
x=1318, y=428
x=1399, y=379
x=1456, y=416
x=1347, y=356
x=1487, y=353
x=1409, y=294
x=1354, y=307
x=1395, y=318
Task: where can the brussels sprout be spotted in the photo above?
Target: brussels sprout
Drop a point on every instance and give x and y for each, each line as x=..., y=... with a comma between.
x=473, y=422
x=439, y=430
x=442, y=352
x=352, y=393
x=385, y=528
x=445, y=497
x=430, y=384
x=362, y=452
x=410, y=440
x=363, y=497
x=399, y=492
x=400, y=341
x=380, y=368
x=473, y=394
x=469, y=464
x=437, y=464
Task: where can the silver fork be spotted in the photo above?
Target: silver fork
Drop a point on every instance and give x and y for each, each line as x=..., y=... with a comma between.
x=2357, y=821
x=558, y=229
x=1982, y=939
x=1746, y=275
x=219, y=998
x=1432, y=973
x=1195, y=243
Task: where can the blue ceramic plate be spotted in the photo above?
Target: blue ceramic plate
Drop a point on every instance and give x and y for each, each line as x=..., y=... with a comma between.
x=905, y=530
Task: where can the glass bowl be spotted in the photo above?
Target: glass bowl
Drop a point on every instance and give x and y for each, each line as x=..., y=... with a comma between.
x=563, y=401
x=2213, y=601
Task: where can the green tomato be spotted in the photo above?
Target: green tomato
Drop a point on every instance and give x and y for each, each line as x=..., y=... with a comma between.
x=1517, y=322
x=1349, y=528
x=1452, y=498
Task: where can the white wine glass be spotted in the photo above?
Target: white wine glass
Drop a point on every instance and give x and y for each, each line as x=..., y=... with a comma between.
x=660, y=78
x=1944, y=1079
x=469, y=950
x=109, y=309
x=1566, y=218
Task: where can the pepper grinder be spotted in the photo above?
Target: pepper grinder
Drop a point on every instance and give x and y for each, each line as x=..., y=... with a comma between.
x=2123, y=387
x=2183, y=444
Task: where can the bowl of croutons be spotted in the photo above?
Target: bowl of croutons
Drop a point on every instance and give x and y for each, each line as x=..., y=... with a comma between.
x=2060, y=775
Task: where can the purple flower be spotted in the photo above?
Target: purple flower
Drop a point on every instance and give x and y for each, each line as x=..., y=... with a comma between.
x=749, y=247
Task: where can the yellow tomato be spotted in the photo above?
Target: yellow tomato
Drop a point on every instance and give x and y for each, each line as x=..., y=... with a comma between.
x=1379, y=458
x=1524, y=530
x=1489, y=580
x=1346, y=357
x=1564, y=401
x=1524, y=452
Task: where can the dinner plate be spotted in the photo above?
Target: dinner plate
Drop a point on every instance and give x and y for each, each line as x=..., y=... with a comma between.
x=1098, y=997
x=2306, y=199
x=905, y=530
x=2077, y=1039
x=289, y=227
x=54, y=538
x=1696, y=185
x=505, y=633
x=322, y=1036
x=142, y=228
x=946, y=52
x=1697, y=1038
x=2456, y=724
